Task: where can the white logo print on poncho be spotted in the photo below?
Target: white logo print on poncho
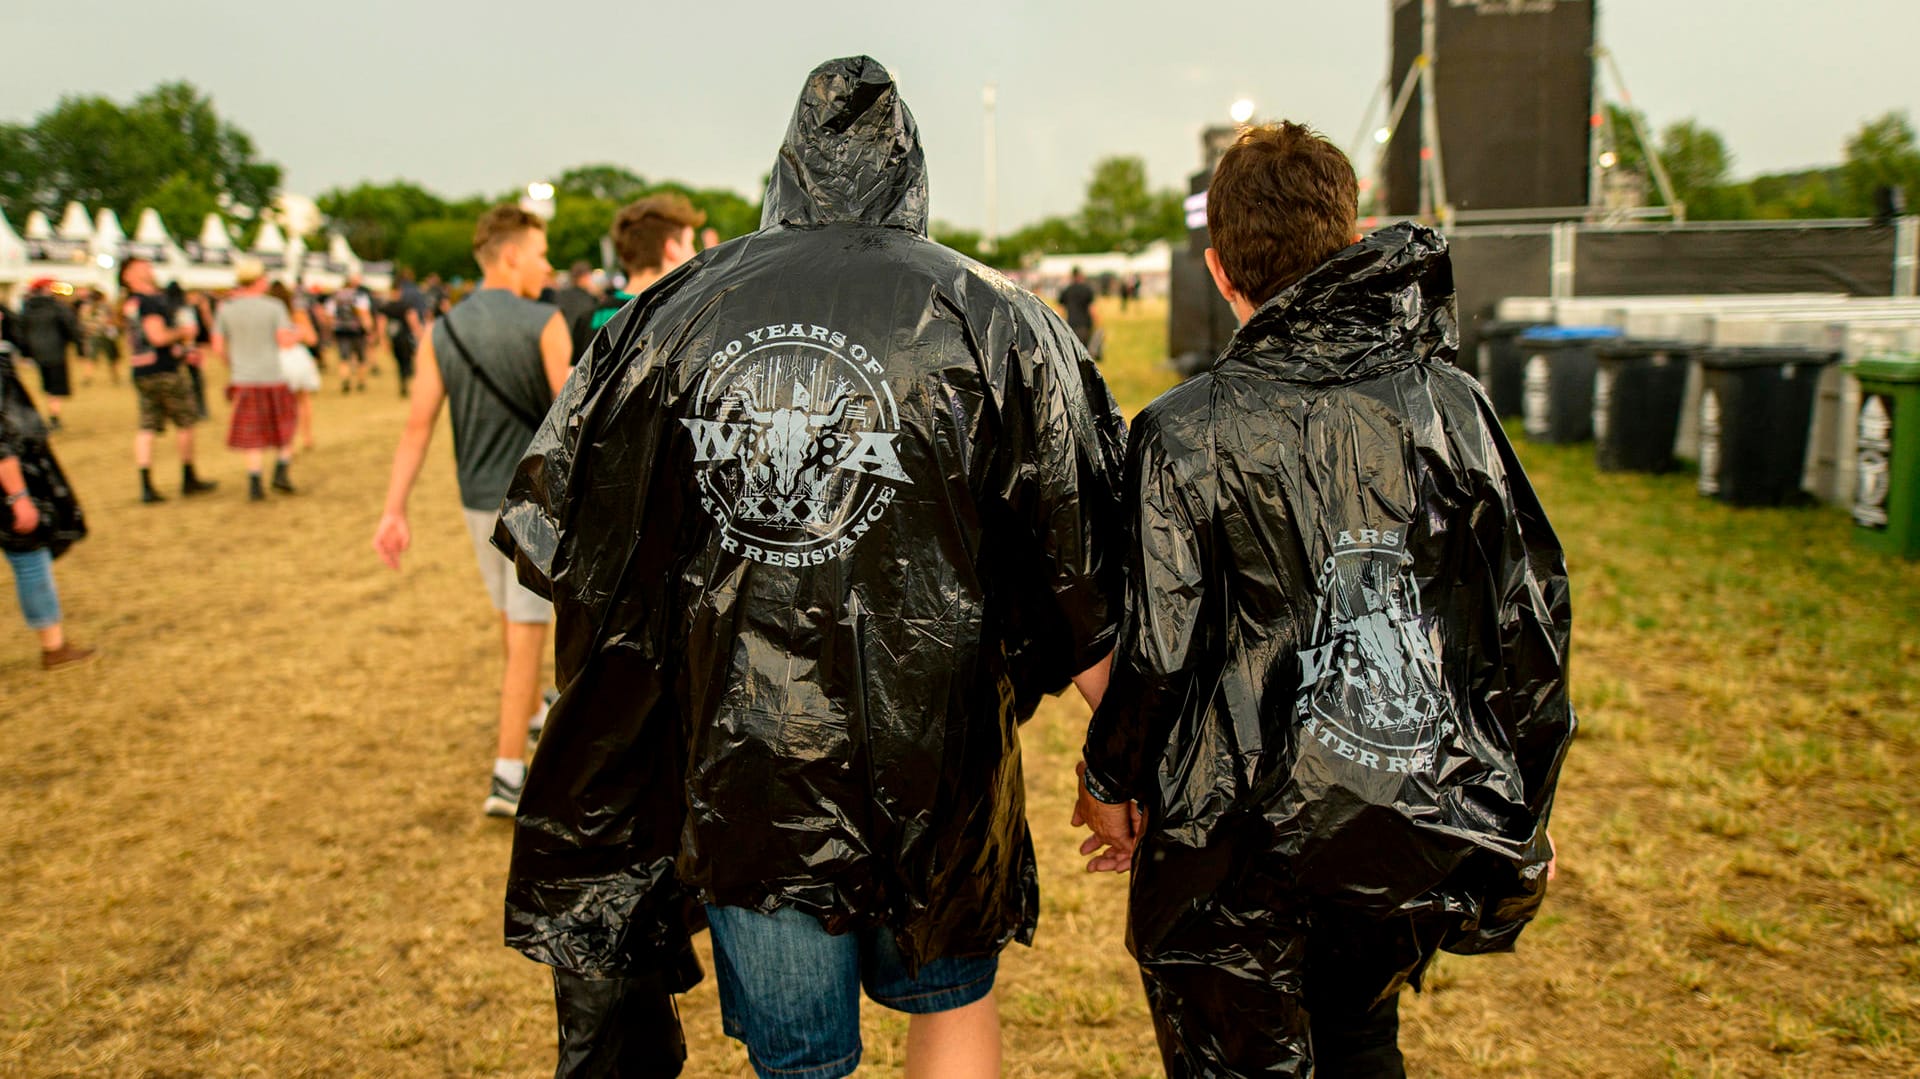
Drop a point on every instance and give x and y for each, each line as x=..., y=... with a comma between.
x=795, y=444
x=1371, y=684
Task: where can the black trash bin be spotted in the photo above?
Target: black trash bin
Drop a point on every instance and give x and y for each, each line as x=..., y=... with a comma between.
x=1500, y=364
x=1639, y=391
x=1756, y=410
x=1557, y=397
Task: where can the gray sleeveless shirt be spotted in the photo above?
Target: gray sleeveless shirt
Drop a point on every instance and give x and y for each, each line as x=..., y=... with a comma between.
x=501, y=333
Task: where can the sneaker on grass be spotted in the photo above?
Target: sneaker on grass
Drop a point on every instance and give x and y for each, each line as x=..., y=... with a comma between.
x=503, y=798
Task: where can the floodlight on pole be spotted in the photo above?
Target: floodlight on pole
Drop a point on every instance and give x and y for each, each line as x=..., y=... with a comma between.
x=1381, y=136
x=1241, y=110
x=1609, y=159
x=540, y=191
x=989, y=100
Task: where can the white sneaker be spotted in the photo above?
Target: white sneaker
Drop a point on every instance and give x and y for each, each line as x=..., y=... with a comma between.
x=503, y=798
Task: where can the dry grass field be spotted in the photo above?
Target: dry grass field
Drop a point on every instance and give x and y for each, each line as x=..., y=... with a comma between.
x=247, y=842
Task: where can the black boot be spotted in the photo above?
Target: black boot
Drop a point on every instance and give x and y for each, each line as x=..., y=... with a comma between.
x=281, y=481
x=147, y=493
x=256, y=492
x=191, y=484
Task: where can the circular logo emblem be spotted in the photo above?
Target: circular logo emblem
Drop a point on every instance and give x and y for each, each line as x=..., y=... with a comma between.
x=794, y=442
x=1371, y=687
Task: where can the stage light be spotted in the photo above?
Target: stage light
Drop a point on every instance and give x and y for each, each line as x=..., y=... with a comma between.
x=1242, y=110
x=1609, y=159
x=1381, y=136
x=539, y=191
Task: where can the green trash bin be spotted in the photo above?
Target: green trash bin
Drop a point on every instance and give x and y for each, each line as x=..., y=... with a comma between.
x=1886, y=502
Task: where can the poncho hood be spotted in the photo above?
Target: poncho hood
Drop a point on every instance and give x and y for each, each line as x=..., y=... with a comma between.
x=852, y=154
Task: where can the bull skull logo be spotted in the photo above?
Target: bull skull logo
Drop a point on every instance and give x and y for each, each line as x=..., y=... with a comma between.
x=788, y=435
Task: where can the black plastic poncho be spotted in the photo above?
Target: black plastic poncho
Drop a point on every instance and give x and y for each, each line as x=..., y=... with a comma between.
x=823, y=513
x=23, y=435
x=1340, y=687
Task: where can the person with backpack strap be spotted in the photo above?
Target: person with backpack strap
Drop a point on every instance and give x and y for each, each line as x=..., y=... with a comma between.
x=496, y=361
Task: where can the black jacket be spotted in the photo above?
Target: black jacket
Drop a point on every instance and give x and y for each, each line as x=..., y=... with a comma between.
x=1341, y=675
x=822, y=513
x=24, y=435
x=47, y=326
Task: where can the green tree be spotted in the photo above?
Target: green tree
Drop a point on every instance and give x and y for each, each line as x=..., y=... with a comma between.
x=375, y=217
x=1047, y=236
x=1790, y=196
x=183, y=204
x=21, y=175
x=1882, y=154
x=577, y=226
x=91, y=150
x=442, y=245
x=608, y=183
x=1122, y=214
x=727, y=212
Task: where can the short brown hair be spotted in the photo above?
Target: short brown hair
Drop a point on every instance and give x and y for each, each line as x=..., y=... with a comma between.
x=641, y=230
x=502, y=224
x=1282, y=201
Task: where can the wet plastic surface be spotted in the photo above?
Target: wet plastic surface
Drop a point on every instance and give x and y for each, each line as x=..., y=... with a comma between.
x=823, y=514
x=1340, y=687
x=23, y=434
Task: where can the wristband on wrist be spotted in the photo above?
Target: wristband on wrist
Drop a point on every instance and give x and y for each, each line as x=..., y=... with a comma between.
x=17, y=496
x=1100, y=793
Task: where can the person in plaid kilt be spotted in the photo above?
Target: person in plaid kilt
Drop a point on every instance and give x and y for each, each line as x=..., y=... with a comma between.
x=249, y=333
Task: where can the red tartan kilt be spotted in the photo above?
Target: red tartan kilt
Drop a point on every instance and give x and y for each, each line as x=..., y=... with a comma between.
x=264, y=417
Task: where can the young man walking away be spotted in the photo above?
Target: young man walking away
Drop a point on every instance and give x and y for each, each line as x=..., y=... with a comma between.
x=352, y=320
x=248, y=332
x=496, y=360
x=823, y=512
x=1339, y=693
x=155, y=343
x=652, y=237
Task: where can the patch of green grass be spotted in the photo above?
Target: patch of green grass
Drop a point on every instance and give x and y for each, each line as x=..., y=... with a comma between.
x=1746, y=930
x=1868, y=1020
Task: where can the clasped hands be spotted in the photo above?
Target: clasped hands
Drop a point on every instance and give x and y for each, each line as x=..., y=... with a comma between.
x=1116, y=828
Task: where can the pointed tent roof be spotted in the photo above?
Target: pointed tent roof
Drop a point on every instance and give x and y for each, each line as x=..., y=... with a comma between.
x=338, y=251
x=213, y=234
x=270, y=240
x=150, y=229
x=38, y=228
x=106, y=228
x=74, y=224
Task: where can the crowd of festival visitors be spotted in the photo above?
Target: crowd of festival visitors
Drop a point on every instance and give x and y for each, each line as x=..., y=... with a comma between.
x=819, y=515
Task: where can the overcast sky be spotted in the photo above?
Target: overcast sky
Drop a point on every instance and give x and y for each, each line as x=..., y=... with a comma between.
x=484, y=95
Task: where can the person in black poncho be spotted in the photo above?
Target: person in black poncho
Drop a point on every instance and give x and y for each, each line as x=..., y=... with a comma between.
x=39, y=518
x=823, y=513
x=1339, y=693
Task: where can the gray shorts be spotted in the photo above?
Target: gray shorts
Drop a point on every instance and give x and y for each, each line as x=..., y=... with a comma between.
x=509, y=596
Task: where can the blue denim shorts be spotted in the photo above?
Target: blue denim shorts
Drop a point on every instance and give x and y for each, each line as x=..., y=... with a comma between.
x=790, y=991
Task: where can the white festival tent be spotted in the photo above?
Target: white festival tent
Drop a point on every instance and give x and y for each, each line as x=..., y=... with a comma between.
x=87, y=250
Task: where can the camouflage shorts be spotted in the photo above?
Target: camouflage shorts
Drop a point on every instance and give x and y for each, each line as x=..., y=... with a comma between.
x=164, y=399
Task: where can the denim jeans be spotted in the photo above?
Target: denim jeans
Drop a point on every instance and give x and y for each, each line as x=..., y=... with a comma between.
x=33, y=580
x=790, y=991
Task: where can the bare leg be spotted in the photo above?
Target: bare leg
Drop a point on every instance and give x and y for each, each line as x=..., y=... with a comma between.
x=520, y=685
x=305, y=411
x=960, y=1044
x=185, y=440
x=255, y=459
x=143, y=449
x=52, y=638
